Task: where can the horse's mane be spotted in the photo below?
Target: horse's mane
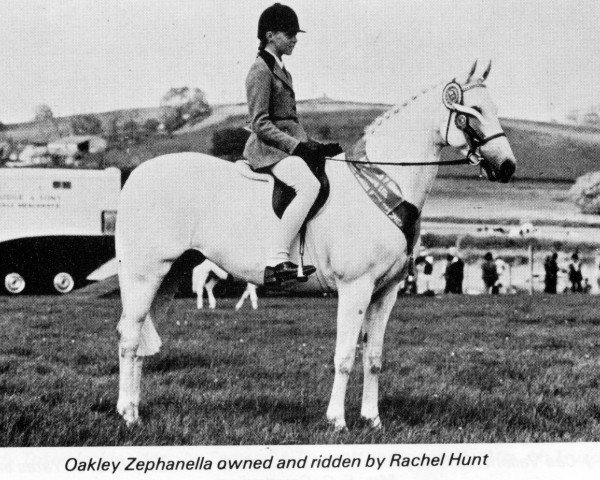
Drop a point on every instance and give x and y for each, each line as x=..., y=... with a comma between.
x=371, y=128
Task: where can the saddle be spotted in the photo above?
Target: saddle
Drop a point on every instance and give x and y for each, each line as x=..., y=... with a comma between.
x=284, y=194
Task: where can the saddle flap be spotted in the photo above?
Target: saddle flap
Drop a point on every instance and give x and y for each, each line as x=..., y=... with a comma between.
x=283, y=194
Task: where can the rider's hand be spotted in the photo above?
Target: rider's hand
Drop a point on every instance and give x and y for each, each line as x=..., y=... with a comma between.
x=309, y=150
x=331, y=149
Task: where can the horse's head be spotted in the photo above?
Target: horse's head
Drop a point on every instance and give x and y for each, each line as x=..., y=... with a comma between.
x=471, y=124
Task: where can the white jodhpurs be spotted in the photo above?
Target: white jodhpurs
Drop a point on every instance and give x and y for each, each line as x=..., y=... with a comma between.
x=294, y=172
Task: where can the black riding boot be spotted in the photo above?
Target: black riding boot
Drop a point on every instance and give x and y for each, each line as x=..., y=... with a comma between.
x=285, y=272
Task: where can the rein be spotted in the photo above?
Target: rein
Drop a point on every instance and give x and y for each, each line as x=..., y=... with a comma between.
x=460, y=161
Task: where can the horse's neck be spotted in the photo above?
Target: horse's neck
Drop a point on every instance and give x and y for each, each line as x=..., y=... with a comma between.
x=408, y=134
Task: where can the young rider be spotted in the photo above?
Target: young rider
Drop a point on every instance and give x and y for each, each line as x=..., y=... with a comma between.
x=278, y=142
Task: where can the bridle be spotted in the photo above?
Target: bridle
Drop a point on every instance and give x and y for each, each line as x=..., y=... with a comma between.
x=452, y=97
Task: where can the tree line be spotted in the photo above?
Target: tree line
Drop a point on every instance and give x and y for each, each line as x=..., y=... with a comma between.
x=178, y=106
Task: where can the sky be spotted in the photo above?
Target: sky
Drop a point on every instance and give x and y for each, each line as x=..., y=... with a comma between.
x=81, y=56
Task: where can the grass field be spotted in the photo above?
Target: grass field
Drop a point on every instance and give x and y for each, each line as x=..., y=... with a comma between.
x=456, y=369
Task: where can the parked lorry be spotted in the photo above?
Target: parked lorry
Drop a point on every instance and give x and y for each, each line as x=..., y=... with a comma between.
x=56, y=226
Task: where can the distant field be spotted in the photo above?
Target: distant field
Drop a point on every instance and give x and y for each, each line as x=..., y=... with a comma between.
x=480, y=201
x=547, y=151
x=456, y=369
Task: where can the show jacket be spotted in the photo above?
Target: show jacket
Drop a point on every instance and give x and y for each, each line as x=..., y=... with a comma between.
x=276, y=130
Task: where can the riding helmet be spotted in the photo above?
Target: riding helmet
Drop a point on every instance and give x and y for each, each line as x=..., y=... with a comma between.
x=278, y=18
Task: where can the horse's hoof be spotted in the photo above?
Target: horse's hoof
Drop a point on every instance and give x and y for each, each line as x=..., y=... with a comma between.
x=129, y=413
x=337, y=425
x=373, y=423
x=131, y=422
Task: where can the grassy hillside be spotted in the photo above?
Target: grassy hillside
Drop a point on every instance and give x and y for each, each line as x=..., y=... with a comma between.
x=346, y=127
x=545, y=151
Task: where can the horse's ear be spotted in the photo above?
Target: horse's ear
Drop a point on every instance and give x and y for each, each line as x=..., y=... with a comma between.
x=473, y=68
x=487, y=71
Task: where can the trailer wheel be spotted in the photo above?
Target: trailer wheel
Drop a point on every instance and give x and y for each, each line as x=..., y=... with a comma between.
x=14, y=283
x=63, y=282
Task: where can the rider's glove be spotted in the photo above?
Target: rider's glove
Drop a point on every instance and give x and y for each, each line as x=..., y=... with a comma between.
x=309, y=150
x=331, y=149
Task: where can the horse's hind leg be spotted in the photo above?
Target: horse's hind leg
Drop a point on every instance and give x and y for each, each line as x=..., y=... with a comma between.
x=240, y=302
x=250, y=292
x=376, y=320
x=144, y=301
x=251, y=289
x=353, y=301
x=137, y=295
x=200, y=275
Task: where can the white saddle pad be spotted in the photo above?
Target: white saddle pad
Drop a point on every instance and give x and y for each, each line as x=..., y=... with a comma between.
x=243, y=167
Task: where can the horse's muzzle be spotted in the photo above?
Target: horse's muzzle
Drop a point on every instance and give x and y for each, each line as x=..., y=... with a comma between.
x=490, y=172
x=502, y=174
x=507, y=169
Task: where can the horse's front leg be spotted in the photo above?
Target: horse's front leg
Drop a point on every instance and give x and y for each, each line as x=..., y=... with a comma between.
x=376, y=320
x=353, y=301
x=200, y=299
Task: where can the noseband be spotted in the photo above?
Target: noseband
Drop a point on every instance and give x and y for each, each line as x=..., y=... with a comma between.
x=452, y=95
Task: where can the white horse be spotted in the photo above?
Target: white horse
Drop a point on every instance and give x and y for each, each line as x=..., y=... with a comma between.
x=206, y=275
x=194, y=201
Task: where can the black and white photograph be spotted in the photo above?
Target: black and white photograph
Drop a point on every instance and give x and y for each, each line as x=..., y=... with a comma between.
x=308, y=239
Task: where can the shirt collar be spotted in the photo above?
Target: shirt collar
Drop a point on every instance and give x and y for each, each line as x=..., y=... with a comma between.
x=279, y=62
